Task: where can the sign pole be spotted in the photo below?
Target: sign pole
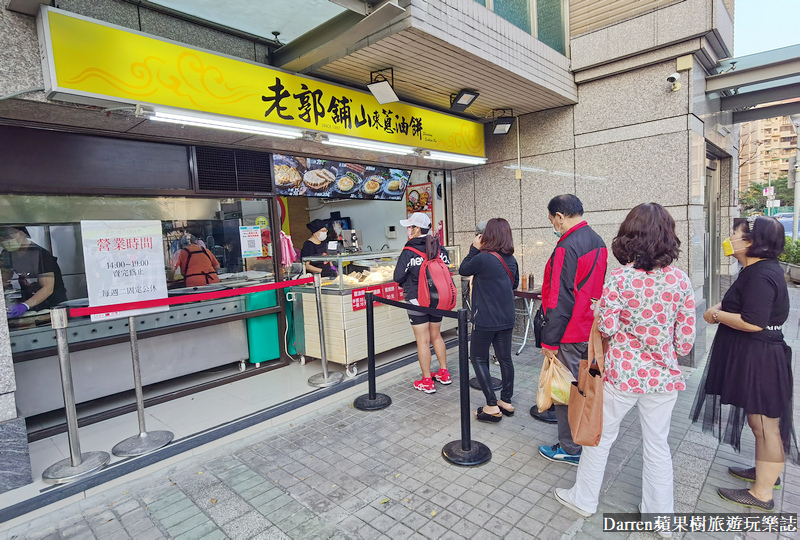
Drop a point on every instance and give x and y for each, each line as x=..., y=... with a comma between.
x=77, y=465
x=144, y=442
x=324, y=379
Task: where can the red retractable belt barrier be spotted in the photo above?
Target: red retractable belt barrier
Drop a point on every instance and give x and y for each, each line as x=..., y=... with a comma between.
x=82, y=312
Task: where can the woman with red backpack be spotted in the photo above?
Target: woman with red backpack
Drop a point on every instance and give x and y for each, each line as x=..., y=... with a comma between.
x=495, y=274
x=427, y=328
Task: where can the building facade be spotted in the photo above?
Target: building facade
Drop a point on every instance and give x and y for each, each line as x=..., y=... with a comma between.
x=765, y=148
x=586, y=81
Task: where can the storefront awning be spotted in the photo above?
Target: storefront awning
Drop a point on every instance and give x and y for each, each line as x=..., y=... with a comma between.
x=747, y=84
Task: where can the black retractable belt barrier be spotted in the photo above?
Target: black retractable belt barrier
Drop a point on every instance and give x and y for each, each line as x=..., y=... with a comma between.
x=465, y=452
x=372, y=401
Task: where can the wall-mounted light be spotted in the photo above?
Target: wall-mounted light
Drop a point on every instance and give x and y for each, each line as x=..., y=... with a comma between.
x=382, y=87
x=363, y=144
x=225, y=123
x=502, y=120
x=459, y=102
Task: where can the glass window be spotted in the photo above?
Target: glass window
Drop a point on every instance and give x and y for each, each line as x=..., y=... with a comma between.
x=517, y=12
x=42, y=266
x=550, y=23
x=481, y=2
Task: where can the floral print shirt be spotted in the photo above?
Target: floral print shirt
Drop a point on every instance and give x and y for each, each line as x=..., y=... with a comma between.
x=649, y=319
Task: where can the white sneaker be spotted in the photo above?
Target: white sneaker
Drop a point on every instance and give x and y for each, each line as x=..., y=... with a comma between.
x=662, y=534
x=561, y=496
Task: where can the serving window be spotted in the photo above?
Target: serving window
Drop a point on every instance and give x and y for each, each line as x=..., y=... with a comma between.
x=41, y=259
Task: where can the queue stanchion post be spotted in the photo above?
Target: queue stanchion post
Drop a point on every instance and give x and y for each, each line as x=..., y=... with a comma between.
x=77, y=465
x=465, y=452
x=371, y=401
x=326, y=378
x=145, y=442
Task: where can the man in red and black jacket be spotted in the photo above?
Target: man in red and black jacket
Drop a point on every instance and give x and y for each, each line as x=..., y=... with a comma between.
x=573, y=280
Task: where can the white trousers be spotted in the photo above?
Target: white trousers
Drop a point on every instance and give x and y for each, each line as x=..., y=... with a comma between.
x=655, y=413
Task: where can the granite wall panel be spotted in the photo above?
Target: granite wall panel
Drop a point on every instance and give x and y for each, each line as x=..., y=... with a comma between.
x=112, y=11
x=463, y=198
x=544, y=177
x=20, y=65
x=630, y=98
x=15, y=459
x=620, y=175
x=194, y=35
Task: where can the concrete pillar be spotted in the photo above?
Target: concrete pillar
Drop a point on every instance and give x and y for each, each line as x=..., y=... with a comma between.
x=15, y=460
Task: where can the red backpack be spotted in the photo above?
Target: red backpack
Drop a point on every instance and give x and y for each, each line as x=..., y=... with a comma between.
x=435, y=288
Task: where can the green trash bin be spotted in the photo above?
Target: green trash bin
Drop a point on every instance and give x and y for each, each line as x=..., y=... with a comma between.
x=263, y=336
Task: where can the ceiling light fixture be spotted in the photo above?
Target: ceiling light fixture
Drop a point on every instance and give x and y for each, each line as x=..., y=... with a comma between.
x=459, y=102
x=455, y=158
x=502, y=120
x=382, y=87
x=198, y=120
x=363, y=144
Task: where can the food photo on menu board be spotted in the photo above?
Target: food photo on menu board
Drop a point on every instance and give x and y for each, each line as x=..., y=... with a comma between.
x=297, y=176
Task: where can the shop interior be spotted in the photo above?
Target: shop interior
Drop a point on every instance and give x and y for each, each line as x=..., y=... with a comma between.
x=190, y=349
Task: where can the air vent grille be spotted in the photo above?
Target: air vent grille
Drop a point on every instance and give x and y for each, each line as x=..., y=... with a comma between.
x=253, y=171
x=220, y=169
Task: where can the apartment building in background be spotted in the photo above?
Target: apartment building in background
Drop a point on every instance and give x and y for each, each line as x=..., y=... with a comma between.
x=764, y=150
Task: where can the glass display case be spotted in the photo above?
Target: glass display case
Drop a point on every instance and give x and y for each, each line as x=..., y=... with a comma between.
x=356, y=270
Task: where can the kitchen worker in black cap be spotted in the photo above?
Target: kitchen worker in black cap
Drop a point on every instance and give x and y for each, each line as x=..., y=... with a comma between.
x=316, y=246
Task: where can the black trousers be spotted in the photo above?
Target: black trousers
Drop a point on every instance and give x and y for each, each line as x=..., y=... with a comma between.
x=479, y=353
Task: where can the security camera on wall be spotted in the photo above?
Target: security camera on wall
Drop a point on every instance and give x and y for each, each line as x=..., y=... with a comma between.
x=673, y=79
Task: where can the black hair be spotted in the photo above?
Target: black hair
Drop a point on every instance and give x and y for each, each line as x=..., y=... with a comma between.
x=422, y=231
x=768, y=236
x=6, y=230
x=567, y=204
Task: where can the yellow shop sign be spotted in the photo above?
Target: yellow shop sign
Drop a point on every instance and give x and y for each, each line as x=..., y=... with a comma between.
x=89, y=61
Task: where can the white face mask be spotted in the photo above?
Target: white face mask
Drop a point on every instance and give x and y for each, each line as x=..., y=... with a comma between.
x=322, y=235
x=11, y=244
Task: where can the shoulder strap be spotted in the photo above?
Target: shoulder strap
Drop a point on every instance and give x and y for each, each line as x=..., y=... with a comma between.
x=418, y=252
x=499, y=258
x=586, y=278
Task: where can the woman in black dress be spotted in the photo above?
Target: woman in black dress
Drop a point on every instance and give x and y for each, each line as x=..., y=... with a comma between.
x=749, y=367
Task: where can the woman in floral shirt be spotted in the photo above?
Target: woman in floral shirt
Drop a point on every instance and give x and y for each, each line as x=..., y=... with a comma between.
x=647, y=313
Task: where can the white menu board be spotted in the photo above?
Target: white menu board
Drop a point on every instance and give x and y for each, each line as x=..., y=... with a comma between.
x=124, y=263
x=250, y=239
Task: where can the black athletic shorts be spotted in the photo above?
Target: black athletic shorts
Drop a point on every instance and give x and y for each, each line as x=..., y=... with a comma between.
x=417, y=317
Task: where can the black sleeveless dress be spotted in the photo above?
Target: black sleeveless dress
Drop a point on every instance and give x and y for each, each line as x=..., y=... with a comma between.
x=750, y=372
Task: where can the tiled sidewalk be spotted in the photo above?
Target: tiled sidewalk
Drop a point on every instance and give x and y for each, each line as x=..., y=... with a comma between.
x=343, y=473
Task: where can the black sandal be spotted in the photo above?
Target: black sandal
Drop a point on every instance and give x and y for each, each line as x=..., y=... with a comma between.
x=506, y=412
x=486, y=417
x=749, y=475
x=743, y=497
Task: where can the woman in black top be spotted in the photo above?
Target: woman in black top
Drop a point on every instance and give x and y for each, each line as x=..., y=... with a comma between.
x=315, y=246
x=496, y=275
x=749, y=367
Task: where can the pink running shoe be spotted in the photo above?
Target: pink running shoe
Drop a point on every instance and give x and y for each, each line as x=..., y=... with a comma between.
x=442, y=376
x=426, y=385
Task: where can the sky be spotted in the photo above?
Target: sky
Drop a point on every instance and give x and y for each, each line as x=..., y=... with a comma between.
x=762, y=25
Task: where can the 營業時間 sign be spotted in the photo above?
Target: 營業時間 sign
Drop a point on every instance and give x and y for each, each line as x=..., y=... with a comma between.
x=124, y=262
x=84, y=58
